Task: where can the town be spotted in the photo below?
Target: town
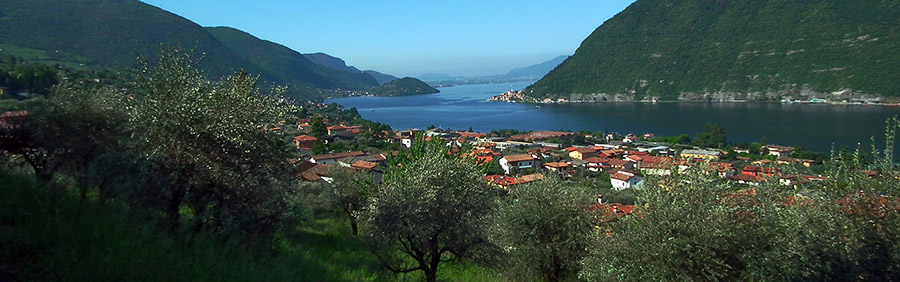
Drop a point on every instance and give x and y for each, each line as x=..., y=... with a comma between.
x=611, y=162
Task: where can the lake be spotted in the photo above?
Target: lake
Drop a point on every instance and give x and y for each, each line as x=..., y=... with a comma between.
x=815, y=126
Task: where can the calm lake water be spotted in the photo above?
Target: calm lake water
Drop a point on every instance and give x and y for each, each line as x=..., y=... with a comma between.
x=816, y=127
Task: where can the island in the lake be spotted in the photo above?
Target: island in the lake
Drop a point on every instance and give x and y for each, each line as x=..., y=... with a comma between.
x=404, y=87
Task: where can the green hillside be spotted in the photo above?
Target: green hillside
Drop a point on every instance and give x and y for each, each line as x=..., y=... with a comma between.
x=288, y=65
x=691, y=48
x=94, y=34
x=403, y=87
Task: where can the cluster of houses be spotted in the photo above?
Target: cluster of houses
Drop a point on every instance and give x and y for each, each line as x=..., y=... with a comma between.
x=626, y=161
x=322, y=167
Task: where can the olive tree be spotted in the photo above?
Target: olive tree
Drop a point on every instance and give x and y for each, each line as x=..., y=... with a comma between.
x=349, y=192
x=429, y=210
x=207, y=144
x=83, y=126
x=544, y=229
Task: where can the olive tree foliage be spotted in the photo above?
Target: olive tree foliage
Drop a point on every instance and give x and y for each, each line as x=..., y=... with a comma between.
x=429, y=210
x=80, y=128
x=348, y=193
x=694, y=226
x=207, y=145
x=544, y=229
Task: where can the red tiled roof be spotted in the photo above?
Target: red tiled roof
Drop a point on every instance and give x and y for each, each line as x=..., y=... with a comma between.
x=615, y=162
x=337, y=127
x=652, y=165
x=557, y=165
x=310, y=176
x=364, y=165
x=519, y=158
x=303, y=138
x=756, y=169
x=747, y=178
x=596, y=160
x=637, y=153
x=621, y=176
x=338, y=155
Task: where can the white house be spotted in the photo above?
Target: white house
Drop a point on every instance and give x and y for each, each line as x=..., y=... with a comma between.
x=523, y=161
x=624, y=179
x=408, y=141
x=780, y=151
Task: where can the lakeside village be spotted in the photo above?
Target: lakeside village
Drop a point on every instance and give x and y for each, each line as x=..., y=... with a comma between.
x=612, y=162
x=519, y=96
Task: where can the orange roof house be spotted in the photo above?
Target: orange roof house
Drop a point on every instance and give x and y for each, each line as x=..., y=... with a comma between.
x=305, y=142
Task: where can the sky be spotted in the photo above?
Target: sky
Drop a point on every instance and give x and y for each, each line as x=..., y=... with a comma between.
x=410, y=38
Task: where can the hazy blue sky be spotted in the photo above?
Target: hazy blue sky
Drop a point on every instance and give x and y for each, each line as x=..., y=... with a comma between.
x=407, y=38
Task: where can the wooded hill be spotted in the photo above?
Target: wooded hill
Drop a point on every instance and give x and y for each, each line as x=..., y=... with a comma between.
x=96, y=34
x=404, y=86
x=679, y=49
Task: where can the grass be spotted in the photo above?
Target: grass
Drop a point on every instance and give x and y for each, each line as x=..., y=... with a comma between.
x=88, y=241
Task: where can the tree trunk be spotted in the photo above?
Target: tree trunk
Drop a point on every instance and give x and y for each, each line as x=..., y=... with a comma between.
x=431, y=271
x=431, y=275
x=82, y=191
x=101, y=195
x=174, y=207
x=353, y=224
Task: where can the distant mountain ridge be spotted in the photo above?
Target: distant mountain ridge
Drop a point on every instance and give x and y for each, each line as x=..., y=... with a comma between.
x=380, y=77
x=338, y=64
x=110, y=34
x=536, y=71
x=288, y=64
x=532, y=72
x=330, y=62
x=735, y=50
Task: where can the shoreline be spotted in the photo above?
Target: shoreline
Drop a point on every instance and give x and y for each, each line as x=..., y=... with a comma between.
x=519, y=97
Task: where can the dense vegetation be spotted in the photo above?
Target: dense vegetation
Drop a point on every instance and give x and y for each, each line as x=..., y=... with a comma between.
x=17, y=76
x=403, y=87
x=94, y=34
x=665, y=48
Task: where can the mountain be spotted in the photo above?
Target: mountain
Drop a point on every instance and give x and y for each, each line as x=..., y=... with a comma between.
x=289, y=65
x=338, y=64
x=532, y=72
x=404, y=87
x=535, y=71
x=93, y=34
x=380, y=77
x=735, y=50
x=330, y=62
